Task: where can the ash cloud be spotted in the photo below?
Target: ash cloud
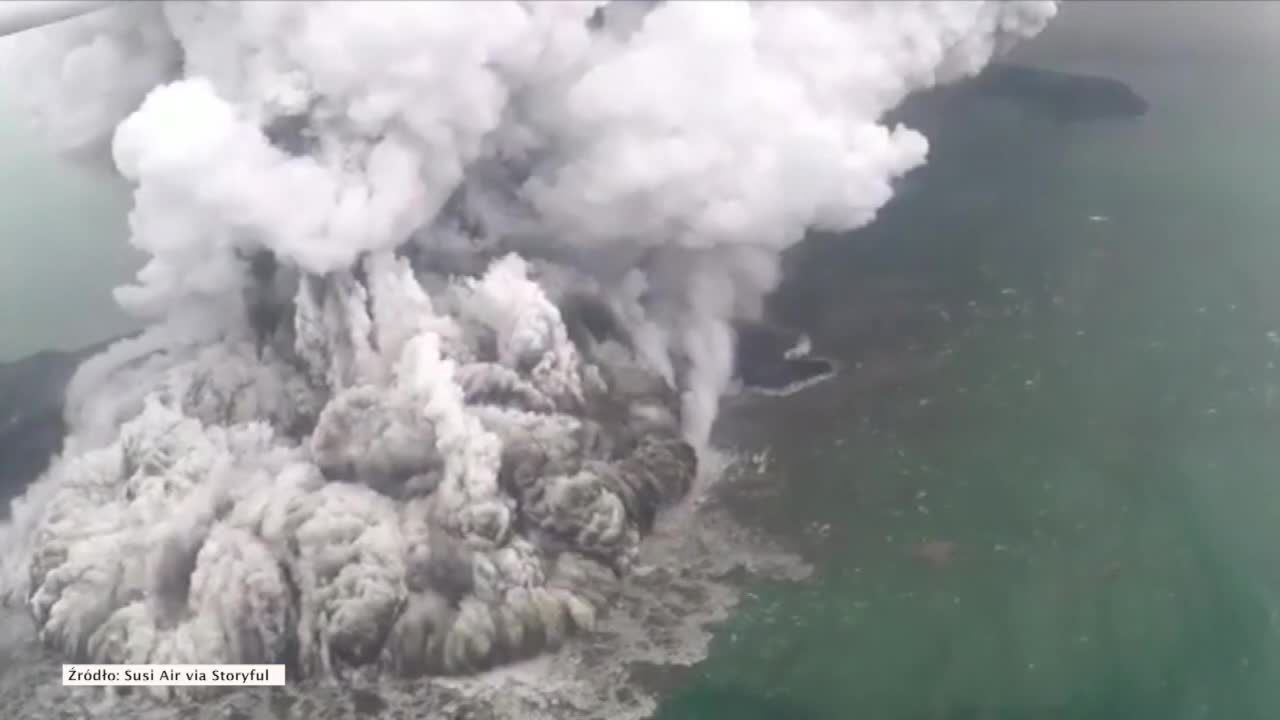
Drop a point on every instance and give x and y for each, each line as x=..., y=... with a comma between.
x=443, y=302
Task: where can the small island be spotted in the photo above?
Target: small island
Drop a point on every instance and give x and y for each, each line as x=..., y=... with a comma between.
x=1065, y=97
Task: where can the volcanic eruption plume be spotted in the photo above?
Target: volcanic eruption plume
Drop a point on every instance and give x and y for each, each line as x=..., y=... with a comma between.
x=441, y=300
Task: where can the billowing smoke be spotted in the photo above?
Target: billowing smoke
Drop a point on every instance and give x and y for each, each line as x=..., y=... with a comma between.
x=442, y=300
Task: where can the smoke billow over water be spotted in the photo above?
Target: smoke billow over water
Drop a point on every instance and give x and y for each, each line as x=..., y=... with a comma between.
x=442, y=301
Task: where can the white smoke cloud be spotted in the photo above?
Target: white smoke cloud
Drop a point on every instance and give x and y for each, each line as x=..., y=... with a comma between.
x=367, y=427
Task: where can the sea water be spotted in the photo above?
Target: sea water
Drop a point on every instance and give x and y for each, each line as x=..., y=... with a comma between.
x=1045, y=485
x=63, y=231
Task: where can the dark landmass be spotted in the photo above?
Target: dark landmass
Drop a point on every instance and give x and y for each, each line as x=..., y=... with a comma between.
x=1065, y=97
x=31, y=424
x=769, y=357
x=1061, y=98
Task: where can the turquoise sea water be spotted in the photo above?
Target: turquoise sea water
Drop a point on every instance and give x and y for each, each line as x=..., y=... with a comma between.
x=1061, y=371
x=62, y=247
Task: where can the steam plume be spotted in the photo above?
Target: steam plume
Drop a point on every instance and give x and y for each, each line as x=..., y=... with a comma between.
x=442, y=300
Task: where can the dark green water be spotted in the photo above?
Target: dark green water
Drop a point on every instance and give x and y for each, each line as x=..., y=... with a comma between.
x=1083, y=412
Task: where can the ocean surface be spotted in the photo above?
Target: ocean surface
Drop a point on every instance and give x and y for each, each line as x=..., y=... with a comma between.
x=1043, y=484
x=63, y=231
